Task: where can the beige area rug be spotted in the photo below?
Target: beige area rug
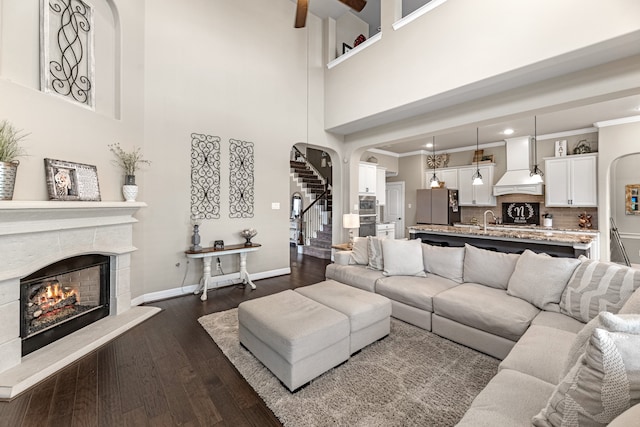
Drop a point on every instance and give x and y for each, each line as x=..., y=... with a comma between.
x=412, y=377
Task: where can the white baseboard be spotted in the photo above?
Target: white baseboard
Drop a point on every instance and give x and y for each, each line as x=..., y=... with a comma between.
x=216, y=282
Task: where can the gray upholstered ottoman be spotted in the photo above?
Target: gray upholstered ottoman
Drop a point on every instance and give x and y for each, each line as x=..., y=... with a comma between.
x=369, y=313
x=295, y=337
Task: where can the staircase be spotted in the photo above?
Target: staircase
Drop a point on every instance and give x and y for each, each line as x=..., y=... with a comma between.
x=317, y=220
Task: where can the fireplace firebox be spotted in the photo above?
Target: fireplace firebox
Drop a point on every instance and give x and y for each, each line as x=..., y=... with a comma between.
x=61, y=298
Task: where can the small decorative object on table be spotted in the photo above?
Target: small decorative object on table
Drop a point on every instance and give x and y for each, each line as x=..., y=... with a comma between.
x=195, y=238
x=9, y=149
x=248, y=234
x=584, y=220
x=130, y=162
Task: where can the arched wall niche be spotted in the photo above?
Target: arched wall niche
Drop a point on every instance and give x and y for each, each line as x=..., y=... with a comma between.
x=20, y=27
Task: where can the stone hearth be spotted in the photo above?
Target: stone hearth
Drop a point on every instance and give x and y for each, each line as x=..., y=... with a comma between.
x=36, y=234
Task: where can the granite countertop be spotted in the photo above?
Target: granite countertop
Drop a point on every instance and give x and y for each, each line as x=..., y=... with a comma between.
x=500, y=232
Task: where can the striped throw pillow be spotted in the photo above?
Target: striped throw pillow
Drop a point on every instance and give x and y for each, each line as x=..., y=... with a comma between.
x=598, y=286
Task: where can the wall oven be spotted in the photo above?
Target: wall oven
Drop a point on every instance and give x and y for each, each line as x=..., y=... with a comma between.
x=368, y=216
x=367, y=205
x=367, y=225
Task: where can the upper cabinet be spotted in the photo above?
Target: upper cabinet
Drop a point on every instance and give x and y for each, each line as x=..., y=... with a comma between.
x=449, y=176
x=476, y=195
x=381, y=186
x=571, y=181
x=367, y=178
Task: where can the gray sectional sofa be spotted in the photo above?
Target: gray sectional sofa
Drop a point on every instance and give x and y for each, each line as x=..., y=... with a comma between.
x=541, y=315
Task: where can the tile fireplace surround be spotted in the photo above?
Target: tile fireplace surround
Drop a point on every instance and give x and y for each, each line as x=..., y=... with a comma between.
x=36, y=234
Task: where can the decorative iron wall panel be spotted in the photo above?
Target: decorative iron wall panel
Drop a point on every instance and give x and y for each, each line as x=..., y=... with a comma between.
x=66, y=50
x=205, y=176
x=241, y=180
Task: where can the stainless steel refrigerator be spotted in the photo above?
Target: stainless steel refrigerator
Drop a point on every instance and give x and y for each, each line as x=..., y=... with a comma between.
x=437, y=206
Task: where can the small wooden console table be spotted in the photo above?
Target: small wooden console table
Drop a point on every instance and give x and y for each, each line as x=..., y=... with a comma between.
x=208, y=253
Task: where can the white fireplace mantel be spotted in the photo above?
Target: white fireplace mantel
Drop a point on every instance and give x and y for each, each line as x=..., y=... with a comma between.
x=34, y=234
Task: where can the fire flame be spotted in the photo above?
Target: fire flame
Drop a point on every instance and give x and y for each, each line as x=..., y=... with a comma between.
x=54, y=293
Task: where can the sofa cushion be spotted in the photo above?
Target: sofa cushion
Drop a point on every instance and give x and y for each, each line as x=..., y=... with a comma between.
x=598, y=286
x=374, y=247
x=445, y=262
x=604, y=382
x=488, y=268
x=541, y=353
x=558, y=321
x=358, y=276
x=414, y=291
x=632, y=306
x=540, y=279
x=488, y=309
x=402, y=258
x=510, y=399
x=359, y=251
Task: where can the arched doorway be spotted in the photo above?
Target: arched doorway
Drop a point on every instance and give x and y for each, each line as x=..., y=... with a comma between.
x=311, y=178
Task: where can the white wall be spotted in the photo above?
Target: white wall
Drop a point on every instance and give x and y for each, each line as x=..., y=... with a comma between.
x=624, y=172
x=445, y=51
x=615, y=141
x=231, y=69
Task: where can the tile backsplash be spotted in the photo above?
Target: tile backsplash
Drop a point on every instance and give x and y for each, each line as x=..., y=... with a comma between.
x=562, y=217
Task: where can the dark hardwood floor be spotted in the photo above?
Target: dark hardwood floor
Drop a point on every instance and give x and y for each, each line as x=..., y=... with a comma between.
x=165, y=372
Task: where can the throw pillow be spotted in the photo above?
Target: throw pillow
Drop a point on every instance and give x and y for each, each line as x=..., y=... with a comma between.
x=402, y=258
x=632, y=306
x=540, y=279
x=488, y=268
x=582, y=338
x=376, y=259
x=445, y=262
x=359, y=251
x=604, y=382
x=598, y=286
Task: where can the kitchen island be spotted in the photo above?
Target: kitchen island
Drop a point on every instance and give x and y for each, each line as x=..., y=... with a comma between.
x=564, y=243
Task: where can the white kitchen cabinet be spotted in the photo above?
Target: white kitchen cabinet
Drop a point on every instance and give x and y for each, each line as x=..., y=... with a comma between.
x=367, y=178
x=381, y=186
x=386, y=231
x=476, y=195
x=571, y=181
x=449, y=176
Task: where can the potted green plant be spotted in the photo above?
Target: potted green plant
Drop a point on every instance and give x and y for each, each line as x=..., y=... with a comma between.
x=130, y=162
x=10, y=149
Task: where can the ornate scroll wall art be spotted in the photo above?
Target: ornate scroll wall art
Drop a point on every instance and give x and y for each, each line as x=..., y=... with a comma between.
x=66, y=50
x=205, y=176
x=241, y=180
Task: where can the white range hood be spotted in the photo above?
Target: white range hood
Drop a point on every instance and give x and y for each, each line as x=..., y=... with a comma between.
x=517, y=179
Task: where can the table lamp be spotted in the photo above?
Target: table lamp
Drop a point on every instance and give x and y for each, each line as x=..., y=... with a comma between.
x=350, y=221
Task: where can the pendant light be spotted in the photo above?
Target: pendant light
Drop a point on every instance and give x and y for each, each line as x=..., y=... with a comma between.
x=536, y=174
x=434, y=179
x=477, y=177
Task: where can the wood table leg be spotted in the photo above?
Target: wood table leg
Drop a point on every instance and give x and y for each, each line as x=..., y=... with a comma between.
x=244, y=275
x=206, y=275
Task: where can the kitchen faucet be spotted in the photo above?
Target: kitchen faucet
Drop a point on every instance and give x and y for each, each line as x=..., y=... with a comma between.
x=485, y=218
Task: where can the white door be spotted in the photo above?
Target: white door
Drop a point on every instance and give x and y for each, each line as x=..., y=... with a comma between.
x=394, y=209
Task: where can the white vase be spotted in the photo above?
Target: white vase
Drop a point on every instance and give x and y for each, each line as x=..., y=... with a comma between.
x=130, y=192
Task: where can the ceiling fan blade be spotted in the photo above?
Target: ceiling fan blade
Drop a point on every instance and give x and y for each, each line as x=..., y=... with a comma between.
x=301, y=13
x=356, y=5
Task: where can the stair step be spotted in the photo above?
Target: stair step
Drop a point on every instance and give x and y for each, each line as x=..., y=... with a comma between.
x=311, y=180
